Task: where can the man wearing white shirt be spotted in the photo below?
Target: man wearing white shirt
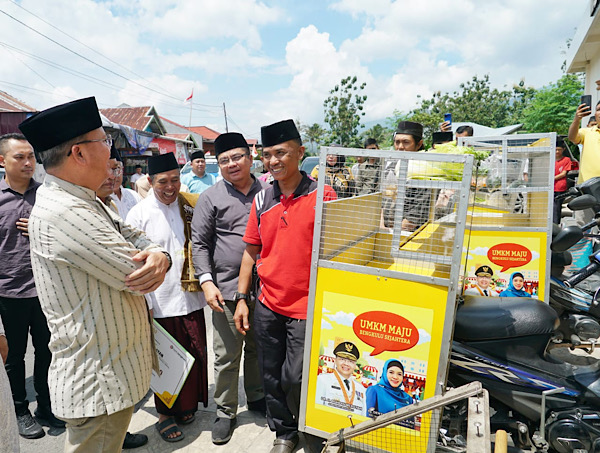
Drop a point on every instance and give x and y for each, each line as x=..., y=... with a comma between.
x=482, y=288
x=124, y=198
x=137, y=175
x=178, y=311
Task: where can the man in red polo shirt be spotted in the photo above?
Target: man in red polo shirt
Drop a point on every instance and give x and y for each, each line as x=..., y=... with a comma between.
x=280, y=230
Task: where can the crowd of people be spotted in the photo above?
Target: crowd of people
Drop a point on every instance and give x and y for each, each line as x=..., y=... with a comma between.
x=90, y=265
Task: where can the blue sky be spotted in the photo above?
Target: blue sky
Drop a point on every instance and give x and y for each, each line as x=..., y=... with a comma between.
x=271, y=60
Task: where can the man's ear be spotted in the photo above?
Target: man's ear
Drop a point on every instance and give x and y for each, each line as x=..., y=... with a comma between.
x=2, y=161
x=77, y=155
x=301, y=151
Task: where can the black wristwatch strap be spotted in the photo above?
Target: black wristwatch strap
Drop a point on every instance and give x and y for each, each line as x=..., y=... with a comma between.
x=170, y=260
x=237, y=296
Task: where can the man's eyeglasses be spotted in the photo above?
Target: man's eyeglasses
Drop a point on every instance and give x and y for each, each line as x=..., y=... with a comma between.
x=108, y=141
x=235, y=158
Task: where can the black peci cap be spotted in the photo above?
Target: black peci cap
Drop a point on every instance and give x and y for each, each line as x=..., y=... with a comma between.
x=229, y=141
x=162, y=163
x=61, y=123
x=280, y=132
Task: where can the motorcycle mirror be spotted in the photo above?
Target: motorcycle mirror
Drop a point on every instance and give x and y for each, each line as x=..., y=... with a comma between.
x=582, y=202
x=567, y=238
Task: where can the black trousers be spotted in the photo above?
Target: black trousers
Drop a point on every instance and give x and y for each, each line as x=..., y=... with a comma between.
x=21, y=317
x=280, y=344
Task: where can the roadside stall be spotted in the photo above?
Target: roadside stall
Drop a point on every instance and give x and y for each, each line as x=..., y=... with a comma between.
x=382, y=302
x=509, y=221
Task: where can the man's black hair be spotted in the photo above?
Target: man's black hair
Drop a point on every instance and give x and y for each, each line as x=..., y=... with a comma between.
x=467, y=129
x=370, y=141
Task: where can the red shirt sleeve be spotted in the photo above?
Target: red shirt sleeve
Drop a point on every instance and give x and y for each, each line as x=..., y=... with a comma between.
x=329, y=194
x=252, y=235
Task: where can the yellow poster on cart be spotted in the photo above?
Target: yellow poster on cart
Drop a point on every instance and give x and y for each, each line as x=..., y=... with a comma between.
x=375, y=348
x=515, y=262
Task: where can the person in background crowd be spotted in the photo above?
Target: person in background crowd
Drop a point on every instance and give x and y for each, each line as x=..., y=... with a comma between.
x=19, y=304
x=105, y=193
x=219, y=222
x=483, y=274
x=589, y=162
x=369, y=171
x=337, y=175
x=142, y=186
x=178, y=311
x=408, y=137
x=124, y=198
x=439, y=138
x=137, y=175
x=281, y=215
x=198, y=180
x=515, y=286
x=562, y=165
x=8, y=428
x=464, y=131
x=90, y=287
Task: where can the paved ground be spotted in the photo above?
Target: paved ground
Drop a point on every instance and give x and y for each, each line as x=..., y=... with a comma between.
x=251, y=435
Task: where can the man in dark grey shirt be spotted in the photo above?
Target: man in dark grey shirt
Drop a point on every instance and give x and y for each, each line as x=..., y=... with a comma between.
x=19, y=305
x=218, y=226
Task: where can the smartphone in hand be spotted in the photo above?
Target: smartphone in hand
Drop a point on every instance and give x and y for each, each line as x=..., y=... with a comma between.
x=448, y=116
x=587, y=100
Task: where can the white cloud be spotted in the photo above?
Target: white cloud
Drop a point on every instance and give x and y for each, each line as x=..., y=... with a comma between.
x=192, y=21
x=325, y=325
x=424, y=336
x=342, y=318
x=480, y=251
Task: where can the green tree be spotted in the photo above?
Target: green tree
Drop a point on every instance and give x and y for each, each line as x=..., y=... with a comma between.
x=475, y=101
x=382, y=134
x=553, y=107
x=344, y=111
x=313, y=134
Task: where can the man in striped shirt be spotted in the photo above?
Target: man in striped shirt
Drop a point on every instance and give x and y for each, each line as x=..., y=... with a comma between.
x=90, y=271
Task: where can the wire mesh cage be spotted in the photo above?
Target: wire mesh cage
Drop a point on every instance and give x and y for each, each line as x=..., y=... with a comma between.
x=405, y=214
x=385, y=267
x=509, y=217
x=471, y=434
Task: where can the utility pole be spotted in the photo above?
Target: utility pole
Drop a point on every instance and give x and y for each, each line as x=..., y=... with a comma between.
x=225, y=114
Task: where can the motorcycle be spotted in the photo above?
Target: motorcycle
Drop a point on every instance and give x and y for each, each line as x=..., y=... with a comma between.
x=502, y=342
x=578, y=310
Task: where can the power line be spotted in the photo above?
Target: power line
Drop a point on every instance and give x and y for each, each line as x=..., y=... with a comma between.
x=87, y=77
x=80, y=42
x=91, y=61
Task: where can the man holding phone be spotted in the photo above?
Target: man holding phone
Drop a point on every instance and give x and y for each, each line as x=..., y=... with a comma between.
x=589, y=137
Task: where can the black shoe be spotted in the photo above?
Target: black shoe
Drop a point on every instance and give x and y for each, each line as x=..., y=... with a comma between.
x=28, y=427
x=259, y=406
x=134, y=440
x=46, y=417
x=223, y=430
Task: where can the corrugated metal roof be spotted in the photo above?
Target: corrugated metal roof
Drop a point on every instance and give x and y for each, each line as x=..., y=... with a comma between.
x=139, y=118
x=206, y=132
x=9, y=103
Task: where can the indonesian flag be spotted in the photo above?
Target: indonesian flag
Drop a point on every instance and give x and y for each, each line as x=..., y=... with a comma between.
x=254, y=152
x=189, y=98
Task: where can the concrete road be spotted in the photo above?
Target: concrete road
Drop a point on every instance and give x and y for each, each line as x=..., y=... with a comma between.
x=251, y=435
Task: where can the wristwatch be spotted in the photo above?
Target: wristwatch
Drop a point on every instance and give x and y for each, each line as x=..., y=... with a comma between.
x=237, y=296
x=170, y=260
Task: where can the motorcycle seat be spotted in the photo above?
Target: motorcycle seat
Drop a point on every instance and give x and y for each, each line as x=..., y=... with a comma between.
x=491, y=318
